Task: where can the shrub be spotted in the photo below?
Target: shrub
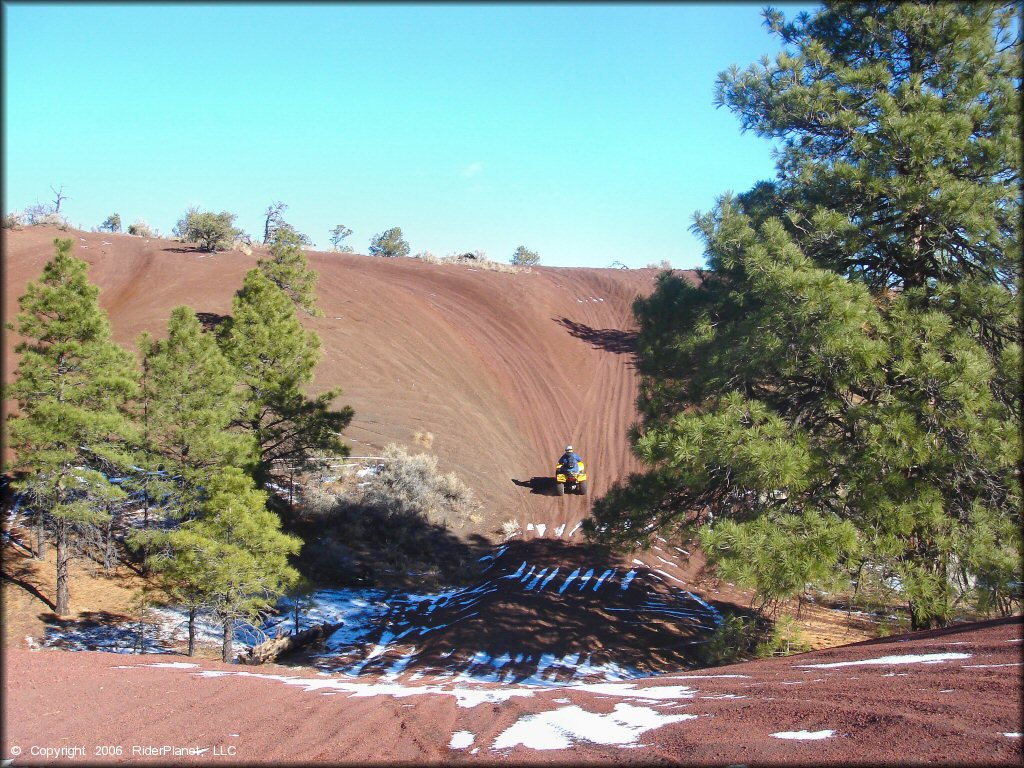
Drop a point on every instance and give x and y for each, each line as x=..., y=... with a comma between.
x=510, y=529
x=389, y=244
x=44, y=216
x=141, y=229
x=786, y=639
x=734, y=640
x=395, y=524
x=212, y=231
x=412, y=485
x=11, y=221
x=524, y=257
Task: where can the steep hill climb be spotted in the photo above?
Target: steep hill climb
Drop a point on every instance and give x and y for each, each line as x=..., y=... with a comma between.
x=502, y=368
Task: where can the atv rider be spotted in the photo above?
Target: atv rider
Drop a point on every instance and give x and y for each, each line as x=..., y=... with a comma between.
x=570, y=461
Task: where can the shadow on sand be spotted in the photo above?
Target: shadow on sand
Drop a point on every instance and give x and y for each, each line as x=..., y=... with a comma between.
x=609, y=339
x=542, y=486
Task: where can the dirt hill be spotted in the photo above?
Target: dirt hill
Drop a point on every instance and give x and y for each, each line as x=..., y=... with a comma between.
x=503, y=369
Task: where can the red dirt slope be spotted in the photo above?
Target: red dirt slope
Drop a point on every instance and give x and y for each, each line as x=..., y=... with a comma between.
x=948, y=697
x=503, y=369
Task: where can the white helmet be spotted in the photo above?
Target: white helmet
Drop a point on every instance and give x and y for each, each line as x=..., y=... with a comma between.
x=568, y=449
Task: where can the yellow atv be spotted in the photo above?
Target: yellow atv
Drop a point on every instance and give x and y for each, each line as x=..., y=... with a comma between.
x=573, y=482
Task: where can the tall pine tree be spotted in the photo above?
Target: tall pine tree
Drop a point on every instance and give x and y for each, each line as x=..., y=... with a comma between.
x=275, y=358
x=188, y=400
x=72, y=386
x=841, y=391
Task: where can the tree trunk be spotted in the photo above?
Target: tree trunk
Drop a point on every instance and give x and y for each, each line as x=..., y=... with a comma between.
x=192, y=631
x=226, y=646
x=40, y=536
x=108, y=550
x=63, y=560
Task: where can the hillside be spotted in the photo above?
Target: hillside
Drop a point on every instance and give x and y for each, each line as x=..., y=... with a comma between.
x=502, y=368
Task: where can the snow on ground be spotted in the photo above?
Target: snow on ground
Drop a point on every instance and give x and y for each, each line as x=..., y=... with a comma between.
x=559, y=728
x=461, y=739
x=804, y=735
x=924, y=658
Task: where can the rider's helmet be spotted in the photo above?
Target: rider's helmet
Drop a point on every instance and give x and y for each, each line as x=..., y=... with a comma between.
x=568, y=449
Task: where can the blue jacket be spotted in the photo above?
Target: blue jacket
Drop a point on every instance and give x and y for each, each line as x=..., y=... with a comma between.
x=569, y=460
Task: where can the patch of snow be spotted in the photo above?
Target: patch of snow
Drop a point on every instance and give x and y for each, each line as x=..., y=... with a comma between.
x=604, y=576
x=1012, y=735
x=569, y=580
x=924, y=658
x=804, y=735
x=575, y=528
x=461, y=739
x=558, y=729
x=560, y=530
x=627, y=579
x=541, y=527
x=549, y=578
x=585, y=579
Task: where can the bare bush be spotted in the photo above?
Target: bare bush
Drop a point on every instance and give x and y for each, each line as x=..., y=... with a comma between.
x=141, y=229
x=412, y=485
x=424, y=439
x=478, y=260
x=11, y=221
x=510, y=529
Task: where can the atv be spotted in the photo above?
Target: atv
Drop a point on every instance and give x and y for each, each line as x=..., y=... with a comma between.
x=572, y=482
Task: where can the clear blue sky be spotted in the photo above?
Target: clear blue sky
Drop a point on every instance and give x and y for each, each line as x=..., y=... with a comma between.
x=585, y=132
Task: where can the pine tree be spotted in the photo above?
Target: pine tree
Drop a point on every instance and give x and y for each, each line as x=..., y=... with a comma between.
x=275, y=358
x=232, y=560
x=72, y=385
x=288, y=269
x=185, y=426
x=842, y=387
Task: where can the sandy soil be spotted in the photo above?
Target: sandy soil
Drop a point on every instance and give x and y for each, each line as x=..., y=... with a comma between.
x=947, y=697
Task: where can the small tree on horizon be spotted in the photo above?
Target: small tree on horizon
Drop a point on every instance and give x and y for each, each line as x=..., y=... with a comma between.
x=212, y=231
x=524, y=257
x=338, y=234
x=111, y=224
x=389, y=244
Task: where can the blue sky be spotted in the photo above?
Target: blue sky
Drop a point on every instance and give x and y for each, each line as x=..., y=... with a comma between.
x=585, y=132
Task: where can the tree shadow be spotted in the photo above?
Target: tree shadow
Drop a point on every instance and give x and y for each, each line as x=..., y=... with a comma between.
x=541, y=609
x=365, y=545
x=20, y=573
x=99, y=631
x=210, y=321
x=613, y=340
x=541, y=485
